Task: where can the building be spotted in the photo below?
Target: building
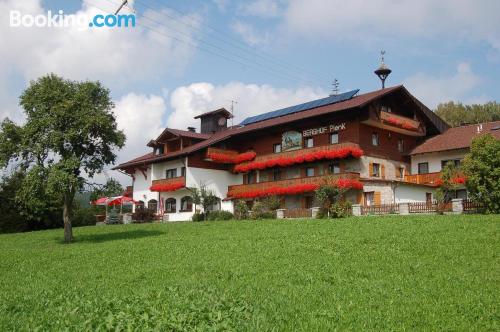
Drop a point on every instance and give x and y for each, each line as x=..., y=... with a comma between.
x=383, y=146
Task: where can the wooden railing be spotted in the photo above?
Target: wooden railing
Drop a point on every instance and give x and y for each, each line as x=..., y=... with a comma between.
x=380, y=209
x=399, y=121
x=294, y=153
x=232, y=190
x=430, y=179
x=221, y=151
x=471, y=206
x=298, y=213
x=170, y=181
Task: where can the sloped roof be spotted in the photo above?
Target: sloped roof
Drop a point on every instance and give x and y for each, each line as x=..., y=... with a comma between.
x=457, y=138
x=183, y=133
x=355, y=102
x=220, y=110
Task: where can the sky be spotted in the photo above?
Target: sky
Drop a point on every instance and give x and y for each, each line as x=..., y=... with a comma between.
x=184, y=58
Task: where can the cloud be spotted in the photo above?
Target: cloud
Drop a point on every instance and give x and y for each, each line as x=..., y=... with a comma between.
x=261, y=8
x=433, y=90
x=372, y=20
x=188, y=101
x=249, y=35
x=117, y=57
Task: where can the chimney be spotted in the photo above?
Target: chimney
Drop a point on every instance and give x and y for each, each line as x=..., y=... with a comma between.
x=192, y=129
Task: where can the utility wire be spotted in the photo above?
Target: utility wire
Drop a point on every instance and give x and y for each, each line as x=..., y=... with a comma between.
x=248, y=62
x=282, y=75
x=230, y=40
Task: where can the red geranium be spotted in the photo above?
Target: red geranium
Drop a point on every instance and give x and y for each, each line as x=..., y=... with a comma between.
x=299, y=158
x=226, y=158
x=167, y=187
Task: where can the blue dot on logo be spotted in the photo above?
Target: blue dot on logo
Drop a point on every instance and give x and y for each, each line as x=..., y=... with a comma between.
x=91, y=25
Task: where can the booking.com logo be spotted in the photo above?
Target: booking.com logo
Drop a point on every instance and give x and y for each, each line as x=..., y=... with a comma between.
x=61, y=20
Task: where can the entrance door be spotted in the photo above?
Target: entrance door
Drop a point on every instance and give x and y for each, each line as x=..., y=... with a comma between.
x=308, y=202
x=428, y=198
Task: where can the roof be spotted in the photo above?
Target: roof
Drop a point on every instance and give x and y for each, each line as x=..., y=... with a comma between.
x=355, y=102
x=220, y=110
x=301, y=107
x=457, y=138
x=183, y=133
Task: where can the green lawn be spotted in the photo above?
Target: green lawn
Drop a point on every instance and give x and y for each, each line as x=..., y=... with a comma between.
x=374, y=273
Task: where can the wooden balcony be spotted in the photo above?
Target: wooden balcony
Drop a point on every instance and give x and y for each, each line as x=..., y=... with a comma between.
x=430, y=179
x=229, y=153
x=396, y=123
x=170, y=181
x=295, y=153
x=318, y=180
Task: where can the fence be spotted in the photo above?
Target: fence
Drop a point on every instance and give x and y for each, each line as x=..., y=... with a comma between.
x=380, y=209
x=471, y=207
x=298, y=213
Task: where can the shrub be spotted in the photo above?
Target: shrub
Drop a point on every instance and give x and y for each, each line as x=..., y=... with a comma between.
x=341, y=209
x=143, y=215
x=260, y=211
x=271, y=203
x=220, y=215
x=198, y=216
x=241, y=209
x=85, y=216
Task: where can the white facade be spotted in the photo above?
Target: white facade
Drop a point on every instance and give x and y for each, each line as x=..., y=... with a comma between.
x=406, y=193
x=434, y=159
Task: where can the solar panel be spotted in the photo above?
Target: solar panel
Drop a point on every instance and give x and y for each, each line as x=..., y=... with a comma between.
x=299, y=108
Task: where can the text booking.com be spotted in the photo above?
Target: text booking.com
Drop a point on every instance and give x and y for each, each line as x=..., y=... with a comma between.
x=61, y=20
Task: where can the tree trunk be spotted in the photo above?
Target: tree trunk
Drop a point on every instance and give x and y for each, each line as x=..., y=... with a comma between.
x=68, y=229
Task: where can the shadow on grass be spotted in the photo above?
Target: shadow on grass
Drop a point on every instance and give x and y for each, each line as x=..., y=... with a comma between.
x=105, y=237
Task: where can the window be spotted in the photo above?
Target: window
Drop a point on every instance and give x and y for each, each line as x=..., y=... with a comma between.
x=277, y=148
x=376, y=170
x=251, y=177
x=170, y=205
x=401, y=145
x=369, y=198
x=186, y=204
x=171, y=173
x=276, y=174
x=423, y=168
x=375, y=140
x=334, y=168
x=401, y=172
x=183, y=171
x=153, y=205
x=386, y=109
x=334, y=138
x=455, y=162
x=310, y=171
x=308, y=142
x=428, y=198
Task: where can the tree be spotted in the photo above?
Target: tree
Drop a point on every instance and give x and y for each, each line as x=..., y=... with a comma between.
x=326, y=195
x=204, y=197
x=111, y=188
x=70, y=134
x=457, y=114
x=447, y=182
x=481, y=167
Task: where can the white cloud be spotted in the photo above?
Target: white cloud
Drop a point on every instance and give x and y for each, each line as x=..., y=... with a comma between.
x=433, y=90
x=117, y=57
x=371, y=20
x=249, y=35
x=261, y=8
x=189, y=101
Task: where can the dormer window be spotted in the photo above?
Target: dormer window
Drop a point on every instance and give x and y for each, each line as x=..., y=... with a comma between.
x=386, y=109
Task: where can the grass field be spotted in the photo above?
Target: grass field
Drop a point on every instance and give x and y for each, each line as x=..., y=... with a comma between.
x=375, y=273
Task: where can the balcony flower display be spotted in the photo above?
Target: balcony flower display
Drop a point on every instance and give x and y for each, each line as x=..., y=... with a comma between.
x=401, y=123
x=295, y=189
x=226, y=158
x=303, y=156
x=457, y=180
x=167, y=186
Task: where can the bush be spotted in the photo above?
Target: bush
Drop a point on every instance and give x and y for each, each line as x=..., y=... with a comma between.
x=341, y=209
x=271, y=203
x=85, y=216
x=198, y=217
x=260, y=211
x=143, y=215
x=220, y=215
x=241, y=210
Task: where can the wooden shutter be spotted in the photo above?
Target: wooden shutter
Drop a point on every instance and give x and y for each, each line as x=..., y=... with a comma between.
x=359, y=198
x=382, y=171
x=376, y=198
x=371, y=169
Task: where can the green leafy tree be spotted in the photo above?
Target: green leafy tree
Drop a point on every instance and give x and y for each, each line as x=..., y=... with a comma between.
x=204, y=197
x=448, y=174
x=481, y=166
x=326, y=195
x=111, y=188
x=457, y=114
x=69, y=135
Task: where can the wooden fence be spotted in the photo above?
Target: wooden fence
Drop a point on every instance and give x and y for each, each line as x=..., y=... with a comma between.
x=298, y=213
x=471, y=207
x=380, y=209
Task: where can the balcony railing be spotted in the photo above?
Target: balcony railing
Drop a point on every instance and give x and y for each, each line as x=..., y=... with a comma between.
x=165, y=185
x=430, y=179
x=399, y=121
x=234, y=191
